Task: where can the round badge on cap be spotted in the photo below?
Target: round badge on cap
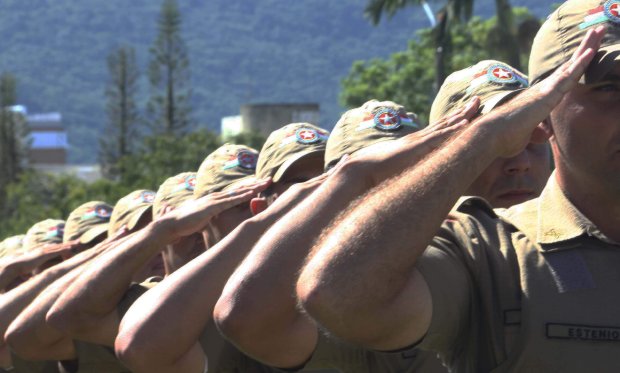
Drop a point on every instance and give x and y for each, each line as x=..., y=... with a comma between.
x=247, y=160
x=387, y=120
x=307, y=136
x=612, y=11
x=57, y=231
x=147, y=197
x=501, y=74
x=190, y=183
x=103, y=212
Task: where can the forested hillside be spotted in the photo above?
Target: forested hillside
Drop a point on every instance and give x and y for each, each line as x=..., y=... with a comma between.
x=240, y=52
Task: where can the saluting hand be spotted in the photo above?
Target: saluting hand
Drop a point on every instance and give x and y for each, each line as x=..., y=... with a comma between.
x=194, y=215
x=518, y=122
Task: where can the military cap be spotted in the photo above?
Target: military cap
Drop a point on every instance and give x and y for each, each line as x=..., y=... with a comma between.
x=494, y=82
x=88, y=222
x=49, y=231
x=288, y=145
x=13, y=245
x=228, y=165
x=369, y=124
x=174, y=191
x=129, y=210
x=561, y=34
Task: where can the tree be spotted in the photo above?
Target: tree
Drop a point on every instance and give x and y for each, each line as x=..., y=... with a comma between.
x=13, y=134
x=163, y=156
x=168, y=107
x=121, y=131
x=453, y=12
x=407, y=77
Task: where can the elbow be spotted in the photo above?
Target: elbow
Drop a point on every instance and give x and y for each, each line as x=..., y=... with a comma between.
x=313, y=297
x=139, y=349
x=333, y=311
x=234, y=322
x=19, y=338
x=132, y=351
x=68, y=321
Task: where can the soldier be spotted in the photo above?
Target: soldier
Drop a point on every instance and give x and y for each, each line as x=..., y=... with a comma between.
x=26, y=332
x=290, y=155
x=256, y=310
x=506, y=181
x=524, y=289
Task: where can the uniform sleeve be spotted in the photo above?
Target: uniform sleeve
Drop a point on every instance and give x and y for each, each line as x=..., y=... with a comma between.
x=134, y=292
x=333, y=355
x=446, y=268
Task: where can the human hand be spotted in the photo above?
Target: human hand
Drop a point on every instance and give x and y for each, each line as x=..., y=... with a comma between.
x=518, y=122
x=195, y=215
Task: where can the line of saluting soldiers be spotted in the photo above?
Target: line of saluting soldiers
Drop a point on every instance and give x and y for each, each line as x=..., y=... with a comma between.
x=355, y=251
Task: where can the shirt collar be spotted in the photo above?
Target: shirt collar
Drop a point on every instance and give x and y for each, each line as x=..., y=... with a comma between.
x=559, y=220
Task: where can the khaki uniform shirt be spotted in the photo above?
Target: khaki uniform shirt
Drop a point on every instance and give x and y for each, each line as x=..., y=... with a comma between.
x=341, y=357
x=529, y=289
x=26, y=366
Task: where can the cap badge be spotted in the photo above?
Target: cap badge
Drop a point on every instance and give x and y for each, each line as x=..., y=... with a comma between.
x=243, y=159
x=190, y=182
x=147, y=197
x=307, y=136
x=386, y=120
x=609, y=12
x=57, y=231
x=99, y=211
x=247, y=160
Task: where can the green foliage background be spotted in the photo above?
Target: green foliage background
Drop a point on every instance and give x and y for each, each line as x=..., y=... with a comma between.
x=240, y=52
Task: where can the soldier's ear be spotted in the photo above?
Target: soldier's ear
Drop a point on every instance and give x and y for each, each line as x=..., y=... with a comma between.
x=547, y=127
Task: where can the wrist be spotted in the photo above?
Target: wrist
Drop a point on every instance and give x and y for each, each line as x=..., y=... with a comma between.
x=160, y=231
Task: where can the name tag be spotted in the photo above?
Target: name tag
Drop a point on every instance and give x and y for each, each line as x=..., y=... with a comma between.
x=583, y=332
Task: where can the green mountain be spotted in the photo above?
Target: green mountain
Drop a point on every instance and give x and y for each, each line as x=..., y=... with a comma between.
x=240, y=52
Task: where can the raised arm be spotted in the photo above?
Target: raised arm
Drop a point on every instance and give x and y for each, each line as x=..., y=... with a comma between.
x=23, y=311
x=183, y=303
x=23, y=265
x=362, y=284
x=258, y=310
x=87, y=310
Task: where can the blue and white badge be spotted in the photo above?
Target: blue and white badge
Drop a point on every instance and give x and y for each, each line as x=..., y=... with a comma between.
x=190, y=183
x=503, y=74
x=307, y=136
x=387, y=120
x=612, y=11
x=103, y=212
x=57, y=231
x=147, y=197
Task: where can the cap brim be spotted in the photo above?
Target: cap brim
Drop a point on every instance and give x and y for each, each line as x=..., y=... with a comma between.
x=94, y=232
x=131, y=224
x=499, y=99
x=603, y=62
x=297, y=157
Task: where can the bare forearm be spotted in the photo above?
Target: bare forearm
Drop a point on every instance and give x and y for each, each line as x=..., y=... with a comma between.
x=365, y=263
x=257, y=309
x=16, y=300
x=97, y=292
x=188, y=297
x=30, y=334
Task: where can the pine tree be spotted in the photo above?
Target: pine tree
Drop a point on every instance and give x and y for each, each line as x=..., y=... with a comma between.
x=169, y=106
x=14, y=143
x=123, y=118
